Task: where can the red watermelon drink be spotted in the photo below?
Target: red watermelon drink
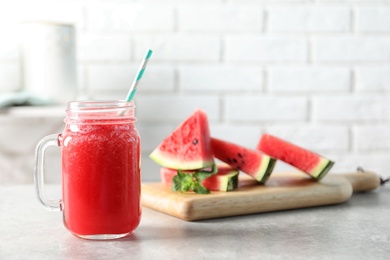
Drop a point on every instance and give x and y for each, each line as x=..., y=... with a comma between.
x=100, y=149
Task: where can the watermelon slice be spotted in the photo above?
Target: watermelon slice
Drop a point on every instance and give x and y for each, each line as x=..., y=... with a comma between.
x=309, y=162
x=226, y=179
x=188, y=147
x=251, y=162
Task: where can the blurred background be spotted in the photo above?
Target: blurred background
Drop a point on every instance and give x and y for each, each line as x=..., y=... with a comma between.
x=316, y=73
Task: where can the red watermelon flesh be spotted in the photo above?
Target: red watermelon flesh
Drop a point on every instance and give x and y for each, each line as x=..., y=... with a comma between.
x=252, y=162
x=188, y=146
x=226, y=179
x=307, y=161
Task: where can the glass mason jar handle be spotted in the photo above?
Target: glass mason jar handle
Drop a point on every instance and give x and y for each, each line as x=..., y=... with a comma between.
x=50, y=140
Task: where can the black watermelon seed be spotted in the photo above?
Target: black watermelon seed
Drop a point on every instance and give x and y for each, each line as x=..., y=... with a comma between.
x=195, y=141
x=239, y=155
x=234, y=160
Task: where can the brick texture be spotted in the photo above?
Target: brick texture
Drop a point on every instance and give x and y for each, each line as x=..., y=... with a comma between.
x=372, y=138
x=219, y=18
x=180, y=47
x=263, y=49
x=351, y=49
x=104, y=47
x=265, y=109
x=373, y=79
x=221, y=79
x=315, y=19
x=129, y=17
x=357, y=109
x=309, y=79
x=373, y=19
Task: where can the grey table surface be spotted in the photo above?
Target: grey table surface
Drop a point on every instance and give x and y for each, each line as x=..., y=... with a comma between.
x=356, y=229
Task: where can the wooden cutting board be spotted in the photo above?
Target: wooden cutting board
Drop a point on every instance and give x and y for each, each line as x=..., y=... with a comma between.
x=281, y=192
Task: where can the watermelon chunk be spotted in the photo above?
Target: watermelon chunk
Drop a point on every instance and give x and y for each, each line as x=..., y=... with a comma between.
x=226, y=179
x=307, y=161
x=252, y=162
x=188, y=146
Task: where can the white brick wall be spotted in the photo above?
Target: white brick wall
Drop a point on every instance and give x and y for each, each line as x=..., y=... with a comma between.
x=372, y=138
x=265, y=109
x=309, y=79
x=372, y=79
x=316, y=72
x=222, y=79
x=132, y=17
x=101, y=47
x=174, y=47
x=254, y=48
x=169, y=108
x=359, y=49
x=373, y=19
x=352, y=109
x=308, y=18
x=220, y=18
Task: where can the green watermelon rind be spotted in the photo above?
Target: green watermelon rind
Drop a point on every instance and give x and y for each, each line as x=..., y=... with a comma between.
x=232, y=183
x=229, y=181
x=265, y=170
x=321, y=169
x=176, y=163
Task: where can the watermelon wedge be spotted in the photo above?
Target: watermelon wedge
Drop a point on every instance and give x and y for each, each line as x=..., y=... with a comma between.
x=226, y=178
x=188, y=146
x=252, y=162
x=309, y=162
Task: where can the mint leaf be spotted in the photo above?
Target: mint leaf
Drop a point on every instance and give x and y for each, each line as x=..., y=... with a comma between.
x=187, y=183
x=176, y=181
x=200, y=189
x=179, y=181
x=190, y=181
x=182, y=182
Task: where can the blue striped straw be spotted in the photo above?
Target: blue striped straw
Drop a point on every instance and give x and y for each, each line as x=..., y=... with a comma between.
x=139, y=75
